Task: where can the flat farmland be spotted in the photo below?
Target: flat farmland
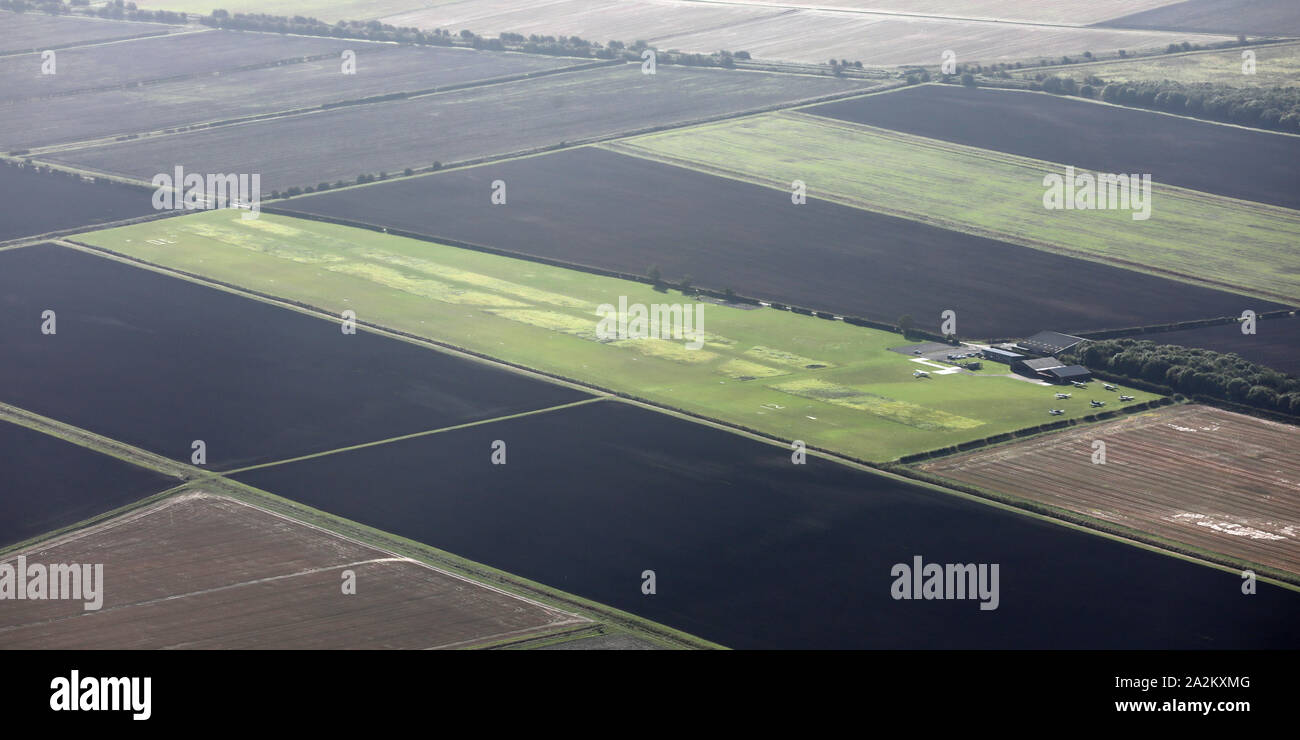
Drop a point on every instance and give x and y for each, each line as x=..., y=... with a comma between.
x=598, y=208
x=794, y=377
x=1275, y=343
x=158, y=57
x=158, y=363
x=381, y=69
x=1060, y=12
x=1276, y=65
x=1198, y=155
x=455, y=126
x=813, y=36
x=1191, y=236
x=780, y=32
x=1209, y=478
x=50, y=483
x=22, y=32
x=329, y=11
x=206, y=572
x=751, y=551
x=41, y=202
x=1265, y=17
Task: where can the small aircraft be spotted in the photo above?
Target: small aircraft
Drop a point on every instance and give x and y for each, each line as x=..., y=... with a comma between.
x=1097, y=404
x=1056, y=412
x=1063, y=395
x=1126, y=398
x=920, y=374
x=1108, y=386
x=1077, y=384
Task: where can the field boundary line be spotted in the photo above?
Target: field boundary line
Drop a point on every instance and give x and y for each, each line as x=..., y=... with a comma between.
x=104, y=445
x=414, y=435
x=180, y=31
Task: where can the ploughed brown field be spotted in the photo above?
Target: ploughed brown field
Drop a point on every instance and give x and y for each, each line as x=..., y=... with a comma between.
x=1213, y=479
x=202, y=571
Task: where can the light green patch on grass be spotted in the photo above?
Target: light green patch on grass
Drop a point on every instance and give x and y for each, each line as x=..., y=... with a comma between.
x=427, y=288
x=1189, y=235
x=746, y=370
x=559, y=339
x=887, y=408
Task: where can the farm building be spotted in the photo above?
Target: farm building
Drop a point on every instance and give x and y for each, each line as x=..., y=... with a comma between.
x=1001, y=355
x=1068, y=374
x=1048, y=343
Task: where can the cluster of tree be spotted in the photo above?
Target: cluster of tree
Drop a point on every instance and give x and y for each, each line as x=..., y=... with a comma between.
x=1192, y=371
x=115, y=9
x=1275, y=108
x=569, y=46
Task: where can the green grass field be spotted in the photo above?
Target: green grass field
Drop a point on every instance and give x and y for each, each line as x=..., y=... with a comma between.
x=1193, y=236
x=1275, y=66
x=753, y=370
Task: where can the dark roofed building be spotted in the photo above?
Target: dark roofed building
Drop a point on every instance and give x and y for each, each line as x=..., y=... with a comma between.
x=1049, y=342
x=1068, y=374
x=1001, y=355
x=1036, y=367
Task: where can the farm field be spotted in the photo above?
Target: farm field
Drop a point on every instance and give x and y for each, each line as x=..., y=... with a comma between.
x=329, y=11
x=1060, y=12
x=1276, y=65
x=1194, y=236
x=196, y=571
x=381, y=69
x=1198, y=475
x=1268, y=17
x=460, y=125
x=751, y=551
x=595, y=207
x=160, y=57
x=795, y=377
x=1273, y=345
x=780, y=33
x=51, y=483
x=23, y=32
x=41, y=202
x=1212, y=158
x=159, y=362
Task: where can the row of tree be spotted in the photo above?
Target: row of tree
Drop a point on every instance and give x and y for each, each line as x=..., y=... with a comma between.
x=1192, y=371
x=114, y=9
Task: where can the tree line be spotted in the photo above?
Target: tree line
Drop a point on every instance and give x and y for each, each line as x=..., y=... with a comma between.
x=1192, y=371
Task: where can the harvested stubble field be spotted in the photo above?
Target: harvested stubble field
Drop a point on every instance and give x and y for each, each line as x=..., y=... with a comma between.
x=1198, y=155
x=206, y=572
x=1213, y=479
x=42, y=202
x=1056, y=12
x=1198, y=237
x=783, y=33
x=154, y=58
x=795, y=377
x=459, y=125
x=24, y=32
x=598, y=208
x=1275, y=343
x=158, y=362
x=47, y=483
x=751, y=551
x=381, y=70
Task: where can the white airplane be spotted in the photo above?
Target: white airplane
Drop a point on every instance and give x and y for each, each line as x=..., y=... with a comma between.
x=1126, y=398
x=1097, y=404
x=1108, y=386
x=920, y=374
x=1077, y=384
x=1063, y=395
x=1056, y=412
